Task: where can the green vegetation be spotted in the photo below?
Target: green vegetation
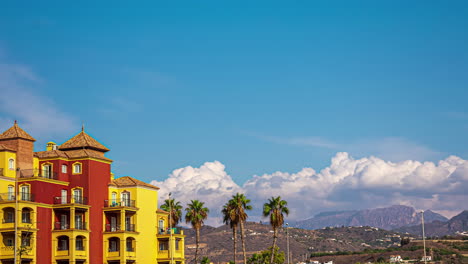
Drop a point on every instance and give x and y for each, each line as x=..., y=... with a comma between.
x=205, y=260
x=196, y=213
x=265, y=257
x=366, y=251
x=275, y=208
x=175, y=211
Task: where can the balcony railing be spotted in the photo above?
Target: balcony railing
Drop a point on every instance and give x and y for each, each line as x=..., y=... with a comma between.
x=119, y=202
x=38, y=173
x=70, y=199
x=61, y=226
x=130, y=227
x=8, y=220
x=80, y=225
x=23, y=196
x=112, y=228
x=175, y=231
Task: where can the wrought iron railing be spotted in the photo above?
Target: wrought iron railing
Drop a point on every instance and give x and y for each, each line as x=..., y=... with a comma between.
x=175, y=231
x=80, y=225
x=119, y=202
x=61, y=226
x=23, y=196
x=70, y=199
x=38, y=173
x=112, y=228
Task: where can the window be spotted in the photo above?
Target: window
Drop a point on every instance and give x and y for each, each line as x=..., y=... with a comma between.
x=163, y=245
x=129, y=245
x=25, y=193
x=79, y=243
x=63, y=222
x=64, y=168
x=47, y=171
x=11, y=194
x=63, y=197
x=26, y=239
x=161, y=226
x=125, y=199
x=62, y=243
x=177, y=242
x=9, y=215
x=77, y=195
x=9, y=242
x=11, y=164
x=114, y=199
x=79, y=221
x=114, y=244
x=77, y=168
x=26, y=215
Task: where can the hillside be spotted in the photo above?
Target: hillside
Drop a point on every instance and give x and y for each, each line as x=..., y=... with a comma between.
x=216, y=243
x=387, y=218
x=458, y=223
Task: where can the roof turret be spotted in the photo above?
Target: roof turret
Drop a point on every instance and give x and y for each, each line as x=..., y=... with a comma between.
x=16, y=132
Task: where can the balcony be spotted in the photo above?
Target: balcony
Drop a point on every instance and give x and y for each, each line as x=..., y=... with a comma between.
x=175, y=231
x=1, y=172
x=119, y=203
x=71, y=199
x=10, y=197
x=117, y=228
x=32, y=173
x=66, y=226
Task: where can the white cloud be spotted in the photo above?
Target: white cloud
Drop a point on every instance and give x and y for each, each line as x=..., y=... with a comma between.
x=347, y=183
x=36, y=113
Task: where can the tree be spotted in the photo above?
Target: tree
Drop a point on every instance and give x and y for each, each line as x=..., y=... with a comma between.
x=175, y=211
x=196, y=213
x=265, y=256
x=234, y=214
x=229, y=219
x=275, y=208
x=205, y=260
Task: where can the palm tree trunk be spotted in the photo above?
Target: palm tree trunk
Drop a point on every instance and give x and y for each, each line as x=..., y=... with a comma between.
x=234, y=238
x=275, y=236
x=197, y=242
x=243, y=241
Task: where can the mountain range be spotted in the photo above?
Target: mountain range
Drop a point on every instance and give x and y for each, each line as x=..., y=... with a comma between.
x=388, y=218
x=458, y=223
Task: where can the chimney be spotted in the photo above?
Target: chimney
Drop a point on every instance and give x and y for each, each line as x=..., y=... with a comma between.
x=51, y=146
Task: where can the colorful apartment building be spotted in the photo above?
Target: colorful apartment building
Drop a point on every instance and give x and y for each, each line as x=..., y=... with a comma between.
x=63, y=205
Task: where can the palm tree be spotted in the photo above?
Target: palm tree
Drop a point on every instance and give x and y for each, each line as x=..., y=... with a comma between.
x=230, y=219
x=240, y=204
x=195, y=214
x=175, y=210
x=275, y=208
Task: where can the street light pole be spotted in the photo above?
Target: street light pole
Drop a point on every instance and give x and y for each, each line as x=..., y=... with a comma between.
x=424, y=237
x=287, y=240
x=170, y=229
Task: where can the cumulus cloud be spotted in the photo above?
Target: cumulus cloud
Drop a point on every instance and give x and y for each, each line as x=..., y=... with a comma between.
x=38, y=114
x=347, y=183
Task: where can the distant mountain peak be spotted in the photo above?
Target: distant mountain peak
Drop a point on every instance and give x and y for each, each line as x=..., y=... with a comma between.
x=391, y=217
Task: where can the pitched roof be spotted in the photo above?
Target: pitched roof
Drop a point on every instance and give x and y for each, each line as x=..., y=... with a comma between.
x=127, y=181
x=5, y=148
x=83, y=141
x=16, y=132
x=161, y=211
x=71, y=154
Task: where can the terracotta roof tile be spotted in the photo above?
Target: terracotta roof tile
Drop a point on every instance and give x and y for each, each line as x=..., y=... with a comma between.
x=83, y=141
x=161, y=211
x=128, y=181
x=15, y=132
x=71, y=154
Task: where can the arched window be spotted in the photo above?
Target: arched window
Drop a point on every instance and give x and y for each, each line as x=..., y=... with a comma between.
x=9, y=215
x=63, y=243
x=47, y=170
x=26, y=215
x=11, y=193
x=77, y=168
x=11, y=164
x=114, y=244
x=114, y=199
x=125, y=199
x=129, y=244
x=80, y=243
x=25, y=193
x=161, y=226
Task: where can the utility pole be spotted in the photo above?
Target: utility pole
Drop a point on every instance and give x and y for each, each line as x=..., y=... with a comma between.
x=287, y=239
x=424, y=237
x=170, y=229
x=15, y=241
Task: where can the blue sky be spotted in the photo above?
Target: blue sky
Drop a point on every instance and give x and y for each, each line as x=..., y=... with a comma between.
x=261, y=86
